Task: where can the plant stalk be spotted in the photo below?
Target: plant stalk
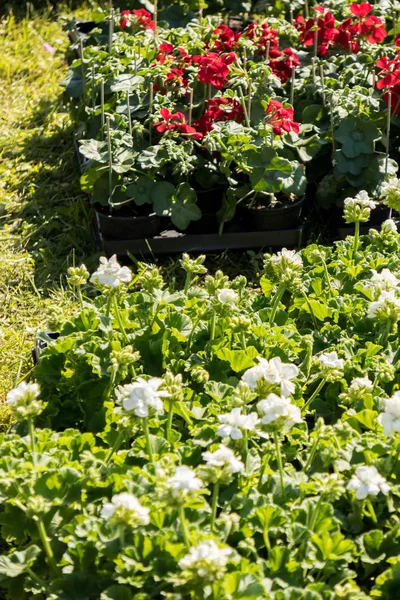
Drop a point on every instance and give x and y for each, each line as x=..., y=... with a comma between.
x=316, y=392
x=148, y=440
x=184, y=526
x=277, y=298
x=214, y=503
x=46, y=546
x=280, y=464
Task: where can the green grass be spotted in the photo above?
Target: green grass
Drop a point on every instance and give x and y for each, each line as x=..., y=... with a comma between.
x=43, y=214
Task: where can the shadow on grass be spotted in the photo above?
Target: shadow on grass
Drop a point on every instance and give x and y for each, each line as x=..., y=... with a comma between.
x=54, y=217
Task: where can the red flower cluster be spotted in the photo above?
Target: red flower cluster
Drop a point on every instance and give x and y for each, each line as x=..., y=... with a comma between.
x=176, y=122
x=346, y=34
x=220, y=109
x=369, y=27
x=280, y=118
x=325, y=33
x=390, y=81
x=285, y=64
x=141, y=17
x=214, y=68
x=260, y=36
x=227, y=40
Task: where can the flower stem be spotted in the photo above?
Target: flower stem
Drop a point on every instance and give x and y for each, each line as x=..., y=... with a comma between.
x=327, y=277
x=371, y=510
x=279, y=293
x=312, y=454
x=169, y=421
x=214, y=503
x=33, y=446
x=46, y=546
x=187, y=282
x=311, y=310
x=266, y=539
x=184, y=527
x=36, y=577
x=316, y=392
x=148, y=440
x=356, y=238
x=280, y=464
x=115, y=447
x=119, y=320
x=121, y=536
x=213, y=323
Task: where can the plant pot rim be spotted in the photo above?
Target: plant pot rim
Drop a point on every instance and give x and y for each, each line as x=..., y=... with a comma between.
x=279, y=209
x=121, y=218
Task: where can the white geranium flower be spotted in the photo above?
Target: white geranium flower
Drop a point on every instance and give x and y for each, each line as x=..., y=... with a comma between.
x=129, y=503
x=389, y=226
x=224, y=457
x=273, y=371
x=274, y=408
x=287, y=258
x=24, y=401
x=140, y=396
x=227, y=296
x=234, y=422
x=391, y=189
x=358, y=209
x=367, y=482
x=110, y=273
x=383, y=281
x=390, y=418
x=184, y=479
x=330, y=360
x=360, y=386
x=23, y=392
x=206, y=560
x=387, y=306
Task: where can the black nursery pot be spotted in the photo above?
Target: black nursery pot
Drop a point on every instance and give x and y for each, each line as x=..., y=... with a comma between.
x=114, y=227
x=209, y=202
x=287, y=216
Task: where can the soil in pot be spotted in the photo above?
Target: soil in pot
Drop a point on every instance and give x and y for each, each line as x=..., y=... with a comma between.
x=127, y=224
x=262, y=216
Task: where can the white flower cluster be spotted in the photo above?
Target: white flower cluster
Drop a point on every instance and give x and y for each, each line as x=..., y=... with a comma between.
x=390, y=418
x=389, y=226
x=331, y=365
x=223, y=458
x=359, y=387
x=367, y=482
x=207, y=560
x=286, y=266
x=279, y=412
x=386, y=307
x=390, y=190
x=184, y=480
x=142, y=396
x=383, y=281
x=24, y=401
x=110, y=273
x=234, y=423
x=126, y=508
x=358, y=209
x=272, y=371
x=227, y=296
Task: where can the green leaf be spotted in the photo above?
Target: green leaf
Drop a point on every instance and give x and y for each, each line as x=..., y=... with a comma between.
x=243, y=586
x=17, y=563
x=94, y=150
x=117, y=592
x=184, y=208
x=239, y=360
x=161, y=195
x=357, y=136
x=141, y=190
x=319, y=309
x=126, y=82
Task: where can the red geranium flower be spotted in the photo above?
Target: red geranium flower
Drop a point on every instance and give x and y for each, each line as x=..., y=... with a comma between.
x=360, y=10
x=176, y=122
x=280, y=118
x=220, y=109
x=124, y=18
x=325, y=33
x=284, y=66
x=227, y=39
x=261, y=35
x=214, y=68
x=144, y=18
x=176, y=77
x=390, y=73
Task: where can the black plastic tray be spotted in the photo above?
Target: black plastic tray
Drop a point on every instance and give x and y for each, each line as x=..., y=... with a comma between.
x=171, y=241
